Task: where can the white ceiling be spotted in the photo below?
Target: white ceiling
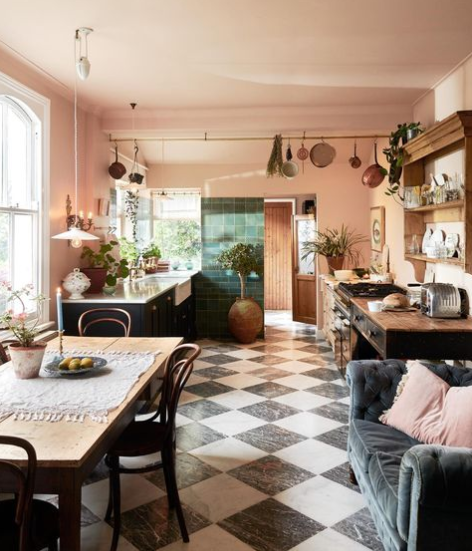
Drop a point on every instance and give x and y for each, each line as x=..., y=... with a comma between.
x=197, y=62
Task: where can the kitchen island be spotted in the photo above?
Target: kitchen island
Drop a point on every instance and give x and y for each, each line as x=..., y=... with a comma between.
x=407, y=335
x=160, y=305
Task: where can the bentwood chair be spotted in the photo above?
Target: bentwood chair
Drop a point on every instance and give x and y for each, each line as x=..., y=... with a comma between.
x=105, y=316
x=155, y=434
x=26, y=524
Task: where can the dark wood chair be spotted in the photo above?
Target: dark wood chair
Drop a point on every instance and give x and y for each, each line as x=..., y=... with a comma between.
x=104, y=315
x=26, y=524
x=155, y=434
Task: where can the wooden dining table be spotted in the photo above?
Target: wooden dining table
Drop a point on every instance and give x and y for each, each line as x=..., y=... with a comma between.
x=68, y=452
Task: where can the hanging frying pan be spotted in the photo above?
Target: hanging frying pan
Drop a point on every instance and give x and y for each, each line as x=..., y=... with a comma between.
x=135, y=177
x=322, y=154
x=116, y=170
x=374, y=174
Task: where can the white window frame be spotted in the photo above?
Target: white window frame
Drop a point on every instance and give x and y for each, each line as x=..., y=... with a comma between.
x=41, y=107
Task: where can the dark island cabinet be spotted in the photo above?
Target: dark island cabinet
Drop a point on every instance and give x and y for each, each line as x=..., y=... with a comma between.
x=185, y=319
x=152, y=319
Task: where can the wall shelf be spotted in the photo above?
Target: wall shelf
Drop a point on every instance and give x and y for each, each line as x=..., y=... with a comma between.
x=449, y=135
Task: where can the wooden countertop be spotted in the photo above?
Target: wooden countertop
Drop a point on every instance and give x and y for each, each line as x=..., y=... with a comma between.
x=412, y=321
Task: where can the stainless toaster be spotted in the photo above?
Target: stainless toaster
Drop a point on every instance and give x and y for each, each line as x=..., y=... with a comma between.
x=443, y=300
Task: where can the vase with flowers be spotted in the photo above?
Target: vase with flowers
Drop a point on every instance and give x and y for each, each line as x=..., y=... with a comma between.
x=22, y=319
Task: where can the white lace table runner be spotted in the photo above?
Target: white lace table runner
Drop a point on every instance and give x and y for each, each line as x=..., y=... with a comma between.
x=73, y=398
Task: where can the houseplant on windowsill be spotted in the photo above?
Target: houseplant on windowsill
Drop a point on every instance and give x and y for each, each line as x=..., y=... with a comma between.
x=151, y=255
x=245, y=317
x=336, y=246
x=26, y=355
x=103, y=268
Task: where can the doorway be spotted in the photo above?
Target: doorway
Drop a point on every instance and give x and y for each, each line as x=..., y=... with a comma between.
x=289, y=280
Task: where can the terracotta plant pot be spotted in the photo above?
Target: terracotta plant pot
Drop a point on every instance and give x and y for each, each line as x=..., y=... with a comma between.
x=97, y=278
x=26, y=360
x=245, y=320
x=335, y=263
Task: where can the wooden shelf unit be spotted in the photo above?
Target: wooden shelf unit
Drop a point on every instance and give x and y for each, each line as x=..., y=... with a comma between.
x=450, y=135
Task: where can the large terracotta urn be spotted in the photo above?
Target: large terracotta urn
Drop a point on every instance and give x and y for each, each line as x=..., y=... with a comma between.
x=335, y=263
x=245, y=320
x=26, y=360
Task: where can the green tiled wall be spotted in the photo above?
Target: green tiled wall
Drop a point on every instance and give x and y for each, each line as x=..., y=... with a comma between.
x=226, y=222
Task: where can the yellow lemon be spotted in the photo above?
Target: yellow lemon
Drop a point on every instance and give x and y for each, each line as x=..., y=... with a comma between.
x=64, y=364
x=86, y=362
x=74, y=364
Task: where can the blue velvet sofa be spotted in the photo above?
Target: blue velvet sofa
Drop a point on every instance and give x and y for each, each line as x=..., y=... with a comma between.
x=420, y=496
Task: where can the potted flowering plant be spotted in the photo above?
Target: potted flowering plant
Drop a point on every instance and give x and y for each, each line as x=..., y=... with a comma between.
x=26, y=355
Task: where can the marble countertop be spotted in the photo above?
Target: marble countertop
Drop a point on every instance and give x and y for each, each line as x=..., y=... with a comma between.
x=139, y=291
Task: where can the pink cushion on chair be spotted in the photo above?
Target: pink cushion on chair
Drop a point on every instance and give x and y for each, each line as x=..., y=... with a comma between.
x=431, y=411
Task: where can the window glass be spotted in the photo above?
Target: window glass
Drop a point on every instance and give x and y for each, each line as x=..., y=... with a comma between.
x=19, y=193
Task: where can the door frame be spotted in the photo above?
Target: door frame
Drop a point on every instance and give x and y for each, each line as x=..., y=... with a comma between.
x=303, y=277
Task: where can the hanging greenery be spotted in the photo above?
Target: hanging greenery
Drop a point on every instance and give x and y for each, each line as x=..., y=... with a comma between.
x=274, y=166
x=131, y=211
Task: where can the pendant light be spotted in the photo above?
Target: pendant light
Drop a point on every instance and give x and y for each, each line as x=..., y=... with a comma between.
x=74, y=234
x=82, y=63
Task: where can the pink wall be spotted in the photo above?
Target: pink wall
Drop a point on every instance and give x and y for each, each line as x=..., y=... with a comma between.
x=61, y=158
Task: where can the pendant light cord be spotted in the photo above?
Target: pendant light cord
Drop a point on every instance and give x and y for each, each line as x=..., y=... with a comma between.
x=76, y=132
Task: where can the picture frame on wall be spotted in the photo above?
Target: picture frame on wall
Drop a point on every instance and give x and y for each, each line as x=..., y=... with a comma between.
x=377, y=228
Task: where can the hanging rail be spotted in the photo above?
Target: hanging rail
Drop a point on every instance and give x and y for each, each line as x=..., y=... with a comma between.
x=207, y=138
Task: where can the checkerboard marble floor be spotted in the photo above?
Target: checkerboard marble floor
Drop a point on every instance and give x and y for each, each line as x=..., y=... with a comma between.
x=262, y=463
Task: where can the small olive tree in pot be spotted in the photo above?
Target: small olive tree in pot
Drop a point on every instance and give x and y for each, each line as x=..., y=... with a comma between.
x=245, y=317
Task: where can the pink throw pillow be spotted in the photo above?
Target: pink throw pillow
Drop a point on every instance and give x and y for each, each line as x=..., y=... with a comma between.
x=431, y=411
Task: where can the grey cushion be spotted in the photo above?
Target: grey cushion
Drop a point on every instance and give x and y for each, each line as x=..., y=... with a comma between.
x=367, y=438
x=384, y=472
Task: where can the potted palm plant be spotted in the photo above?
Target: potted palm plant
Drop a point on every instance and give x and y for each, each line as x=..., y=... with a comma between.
x=336, y=245
x=245, y=317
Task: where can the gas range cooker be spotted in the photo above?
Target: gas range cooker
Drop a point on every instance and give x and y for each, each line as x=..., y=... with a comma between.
x=346, y=291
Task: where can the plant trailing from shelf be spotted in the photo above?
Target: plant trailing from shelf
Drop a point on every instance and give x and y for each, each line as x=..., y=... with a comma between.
x=336, y=245
x=395, y=154
x=131, y=211
x=104, y=259
x=274, y=166
x=245, y=318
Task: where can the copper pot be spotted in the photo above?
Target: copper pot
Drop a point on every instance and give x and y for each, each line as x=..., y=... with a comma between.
x=354, y=161
x=374, y=174
x=116, y=170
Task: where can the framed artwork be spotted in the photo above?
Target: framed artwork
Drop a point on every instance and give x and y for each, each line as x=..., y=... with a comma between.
x=377, y=228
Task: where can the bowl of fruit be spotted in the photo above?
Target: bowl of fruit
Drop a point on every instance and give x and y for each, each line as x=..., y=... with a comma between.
x=74, y=365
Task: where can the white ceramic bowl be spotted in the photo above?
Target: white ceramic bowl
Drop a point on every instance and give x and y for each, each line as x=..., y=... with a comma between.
x=375, y=305
x=343, y=275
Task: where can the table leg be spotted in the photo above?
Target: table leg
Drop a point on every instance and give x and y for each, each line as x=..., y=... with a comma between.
x=70, y=498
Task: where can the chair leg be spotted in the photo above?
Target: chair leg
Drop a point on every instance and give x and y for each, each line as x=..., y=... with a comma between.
x=173, y=493
x=110, y=500
x=170, y=494
x=352, y=477
x=115, y=500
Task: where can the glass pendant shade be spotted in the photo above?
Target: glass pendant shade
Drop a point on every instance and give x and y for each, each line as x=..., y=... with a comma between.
x=76, y=234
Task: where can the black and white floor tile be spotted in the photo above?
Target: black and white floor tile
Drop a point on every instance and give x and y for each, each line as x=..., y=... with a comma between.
x=262, y=463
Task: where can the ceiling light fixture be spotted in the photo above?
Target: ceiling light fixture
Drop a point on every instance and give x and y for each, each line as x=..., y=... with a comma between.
x=75, y=223
x=82, y=63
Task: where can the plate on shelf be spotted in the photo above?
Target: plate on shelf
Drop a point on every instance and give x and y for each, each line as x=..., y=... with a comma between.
x=452, y=244
x=52, y=368
x=426, y=239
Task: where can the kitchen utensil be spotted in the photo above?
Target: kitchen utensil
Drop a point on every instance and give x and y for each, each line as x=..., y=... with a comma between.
x=289, y=168
x=116, y=170
x=322, y=154
x=374, y=174
x=303, y=154
x=135, y=177
x=354, y=161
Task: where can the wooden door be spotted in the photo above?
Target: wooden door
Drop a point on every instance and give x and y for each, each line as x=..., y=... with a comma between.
x=304, y=276
x=278, y=256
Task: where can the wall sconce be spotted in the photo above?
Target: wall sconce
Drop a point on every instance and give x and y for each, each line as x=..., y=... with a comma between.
x=77, y=227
